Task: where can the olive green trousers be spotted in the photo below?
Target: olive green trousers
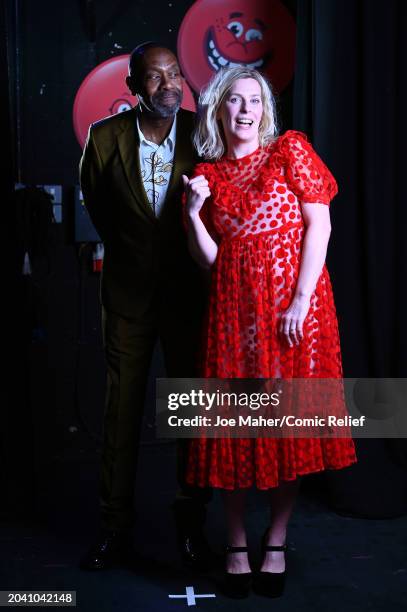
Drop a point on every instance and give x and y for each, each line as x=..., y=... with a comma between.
x=129, y=346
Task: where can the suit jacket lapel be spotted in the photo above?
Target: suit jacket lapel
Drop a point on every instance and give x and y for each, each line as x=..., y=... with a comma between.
x=183, y=147
x=128, y=142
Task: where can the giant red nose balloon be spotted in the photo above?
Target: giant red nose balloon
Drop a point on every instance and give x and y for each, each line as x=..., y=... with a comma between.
x=220, y=33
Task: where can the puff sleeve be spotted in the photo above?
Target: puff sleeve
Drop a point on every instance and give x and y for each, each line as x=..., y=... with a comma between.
x=307, y=175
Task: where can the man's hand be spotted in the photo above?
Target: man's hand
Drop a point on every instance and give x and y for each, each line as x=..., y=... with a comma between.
x=197, y=190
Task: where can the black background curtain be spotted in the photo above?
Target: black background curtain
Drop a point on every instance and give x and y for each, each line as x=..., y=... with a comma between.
x=350, y=97
x=16, y=451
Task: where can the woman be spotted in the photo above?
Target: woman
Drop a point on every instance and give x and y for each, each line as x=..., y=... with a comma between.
x=258, y=218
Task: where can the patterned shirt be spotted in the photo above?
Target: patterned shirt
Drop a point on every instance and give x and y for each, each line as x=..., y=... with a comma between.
x=156, y=162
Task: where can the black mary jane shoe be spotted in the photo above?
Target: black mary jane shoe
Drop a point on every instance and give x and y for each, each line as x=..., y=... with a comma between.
x=236, y=586
x=270, y=584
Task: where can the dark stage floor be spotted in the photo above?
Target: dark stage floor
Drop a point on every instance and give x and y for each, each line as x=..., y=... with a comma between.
x=335, y=562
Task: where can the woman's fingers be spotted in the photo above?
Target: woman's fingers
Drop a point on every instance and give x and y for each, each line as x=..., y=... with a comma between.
x=202, y=192
x=198, y=180
x=292, y=329
x=285, y=328
x=293, y=333
x=198, y=189
x=292, y=321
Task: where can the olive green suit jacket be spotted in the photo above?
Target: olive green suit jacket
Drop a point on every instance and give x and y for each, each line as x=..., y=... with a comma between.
x=146, y=259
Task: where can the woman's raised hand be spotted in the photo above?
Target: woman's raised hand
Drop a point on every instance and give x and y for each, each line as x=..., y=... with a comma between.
x=197, y=190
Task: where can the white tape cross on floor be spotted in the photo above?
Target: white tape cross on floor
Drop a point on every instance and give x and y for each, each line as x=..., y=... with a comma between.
x=191, y=597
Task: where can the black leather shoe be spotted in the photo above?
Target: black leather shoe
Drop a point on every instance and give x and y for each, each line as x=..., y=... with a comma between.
x=196, y=553
x=192, y=545
x=112, y=549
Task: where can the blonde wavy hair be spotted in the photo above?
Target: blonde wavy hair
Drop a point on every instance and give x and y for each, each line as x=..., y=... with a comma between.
x=208, y=135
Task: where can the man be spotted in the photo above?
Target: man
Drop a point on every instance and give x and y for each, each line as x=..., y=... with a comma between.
x=130, y=175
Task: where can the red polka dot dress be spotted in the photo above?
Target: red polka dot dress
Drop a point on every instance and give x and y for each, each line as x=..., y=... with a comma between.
x=254, y=213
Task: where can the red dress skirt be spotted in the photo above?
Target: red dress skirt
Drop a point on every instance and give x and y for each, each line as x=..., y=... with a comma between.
x=254, y=214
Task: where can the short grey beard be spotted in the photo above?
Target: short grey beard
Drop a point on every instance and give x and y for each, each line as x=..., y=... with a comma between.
x=160, y=110
x=166, y=111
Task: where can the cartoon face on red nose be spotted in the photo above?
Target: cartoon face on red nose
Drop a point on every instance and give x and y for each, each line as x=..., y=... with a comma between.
x=222, y=33
x=237, y=39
